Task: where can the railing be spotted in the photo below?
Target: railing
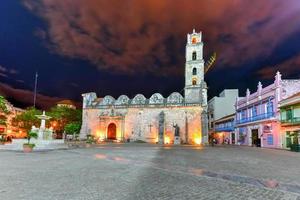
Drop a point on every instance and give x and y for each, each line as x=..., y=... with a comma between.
x=226, y=128
x=256, y=118
x=294, y=120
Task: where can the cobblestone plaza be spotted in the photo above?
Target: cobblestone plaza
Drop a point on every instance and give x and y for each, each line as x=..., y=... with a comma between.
x=144, y=171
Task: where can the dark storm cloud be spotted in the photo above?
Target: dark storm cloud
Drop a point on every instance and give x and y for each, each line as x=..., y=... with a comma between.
x=289, y=67
x=134, y=36
x=26, y=96
x=5, y=70
x=6, y=73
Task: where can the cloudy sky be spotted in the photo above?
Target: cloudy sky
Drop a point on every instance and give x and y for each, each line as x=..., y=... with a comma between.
x=137, y=46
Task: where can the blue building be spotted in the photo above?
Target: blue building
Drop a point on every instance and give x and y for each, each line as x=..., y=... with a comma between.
x=224, y=130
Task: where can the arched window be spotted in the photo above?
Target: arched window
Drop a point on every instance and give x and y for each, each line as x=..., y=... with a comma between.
x=194, y=71
x=194, y=56
x=194, y=40
x=194, y=81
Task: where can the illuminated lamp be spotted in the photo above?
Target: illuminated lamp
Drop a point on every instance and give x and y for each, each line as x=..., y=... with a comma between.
x=167, y=140
x=198, y=140
x=100, y=136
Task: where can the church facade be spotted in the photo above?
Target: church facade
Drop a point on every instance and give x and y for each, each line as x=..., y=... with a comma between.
x=175, y=119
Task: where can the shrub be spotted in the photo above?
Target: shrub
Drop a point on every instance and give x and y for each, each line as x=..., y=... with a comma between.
x=30, y=145
x=90, y=139
x=72, y=128
x=31, y=134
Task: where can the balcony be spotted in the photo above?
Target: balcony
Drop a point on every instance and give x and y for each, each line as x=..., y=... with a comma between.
x=290, y=121
x=256, y=118
x=225, y=129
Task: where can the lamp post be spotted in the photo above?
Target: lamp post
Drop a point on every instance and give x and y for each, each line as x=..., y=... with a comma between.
x=35, y=88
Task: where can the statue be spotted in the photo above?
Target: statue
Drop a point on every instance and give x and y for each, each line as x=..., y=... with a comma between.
x=176, y=130
x=176, y=134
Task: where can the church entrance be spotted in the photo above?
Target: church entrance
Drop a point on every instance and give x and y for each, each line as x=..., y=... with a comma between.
x=112, y=131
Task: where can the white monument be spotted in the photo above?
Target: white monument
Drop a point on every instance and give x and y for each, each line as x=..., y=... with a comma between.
x=43, y=132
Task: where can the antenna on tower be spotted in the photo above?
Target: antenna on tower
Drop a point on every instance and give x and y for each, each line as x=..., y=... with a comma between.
x=35, y=87
x=210, y=62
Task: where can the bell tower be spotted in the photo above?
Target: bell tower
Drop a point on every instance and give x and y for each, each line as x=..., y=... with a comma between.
x=195, y=88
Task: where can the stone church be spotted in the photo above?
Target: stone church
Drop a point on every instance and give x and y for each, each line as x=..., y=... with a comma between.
x=175, y=119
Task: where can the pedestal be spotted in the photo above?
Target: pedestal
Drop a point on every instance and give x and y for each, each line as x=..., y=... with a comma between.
x=161, y=139
x=176, y=140
x=40, y=134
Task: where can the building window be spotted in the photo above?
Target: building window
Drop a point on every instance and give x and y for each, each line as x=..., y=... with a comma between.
x=270, y=107
x=289, y=115
x=194, y=40
x=194, y=81
x=194, y=57
x=194, y=71
x=270, y=139
x=244, y=114
x=254, y=111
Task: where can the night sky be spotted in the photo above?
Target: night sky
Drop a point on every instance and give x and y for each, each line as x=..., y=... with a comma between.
x=128, y=47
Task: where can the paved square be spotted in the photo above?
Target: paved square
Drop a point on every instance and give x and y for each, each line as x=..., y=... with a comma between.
x=144, y=171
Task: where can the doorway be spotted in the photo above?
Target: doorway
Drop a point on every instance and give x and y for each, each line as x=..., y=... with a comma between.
x=255, y=139
x=232, y=138
x=112, y=131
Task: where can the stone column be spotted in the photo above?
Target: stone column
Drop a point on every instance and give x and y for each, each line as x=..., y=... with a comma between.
x=204, y=126
x=186, y=128
x=161, y=128
x=249, y=135
x=84, y=127
x=261, y=134
x=123, y=129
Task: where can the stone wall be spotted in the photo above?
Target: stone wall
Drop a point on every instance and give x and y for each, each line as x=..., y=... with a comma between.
x=142, y=123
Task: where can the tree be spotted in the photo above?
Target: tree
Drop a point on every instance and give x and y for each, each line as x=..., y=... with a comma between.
x=61, y=116
x=73, y=128
x=3, y=111
x=28, y=118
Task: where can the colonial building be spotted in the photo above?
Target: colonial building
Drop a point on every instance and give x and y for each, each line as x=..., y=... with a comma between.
x=9, y=127
x=258, y=114
x=221, y=106
x=66, y=103
x=175, y=119
x=224, y=130
x=290, y=120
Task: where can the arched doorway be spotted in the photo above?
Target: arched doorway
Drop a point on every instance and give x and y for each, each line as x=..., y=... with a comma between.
x=112, y=131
